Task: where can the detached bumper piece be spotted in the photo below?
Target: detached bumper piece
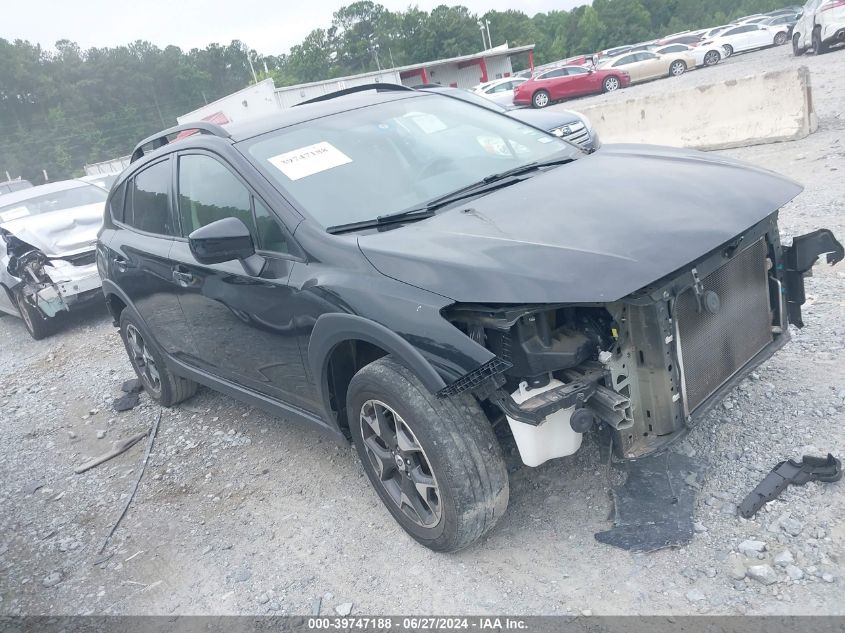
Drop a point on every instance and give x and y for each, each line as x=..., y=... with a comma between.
x=825, y=469
x=798, y=263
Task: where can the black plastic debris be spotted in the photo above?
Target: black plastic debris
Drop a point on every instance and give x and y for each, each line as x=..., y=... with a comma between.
x=127, y=402
x=653, y=509
x=132, y=386
x=825, y=469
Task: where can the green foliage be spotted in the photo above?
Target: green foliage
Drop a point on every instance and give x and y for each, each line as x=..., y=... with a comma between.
x=64, y=108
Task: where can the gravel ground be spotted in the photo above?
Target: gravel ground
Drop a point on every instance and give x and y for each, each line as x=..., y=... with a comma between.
x=241, y=513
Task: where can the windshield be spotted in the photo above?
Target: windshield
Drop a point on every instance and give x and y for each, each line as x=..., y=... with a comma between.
x=378, y=160
x=54, y=201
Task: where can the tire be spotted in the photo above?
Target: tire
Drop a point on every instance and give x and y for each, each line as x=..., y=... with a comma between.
x=610, y=84
x=781, y=38
x=38, y=325
x=159, y=382
x=818, y=46
x=453, y=487
x=711, y=58
x=540, y=99
x=729, y=50
x=677, y=68
x=796, y=46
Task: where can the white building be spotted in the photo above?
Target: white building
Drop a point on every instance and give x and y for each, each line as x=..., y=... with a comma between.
x=264, y=98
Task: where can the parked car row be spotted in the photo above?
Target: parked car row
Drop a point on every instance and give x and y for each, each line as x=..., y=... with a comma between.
x=670, y=56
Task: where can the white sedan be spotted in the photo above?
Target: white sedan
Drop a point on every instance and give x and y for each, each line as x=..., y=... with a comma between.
x=709, y=55
x=500, y=90
x=747, y=37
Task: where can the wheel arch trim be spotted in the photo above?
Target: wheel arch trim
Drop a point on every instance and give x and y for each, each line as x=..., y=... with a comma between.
x=330, y=330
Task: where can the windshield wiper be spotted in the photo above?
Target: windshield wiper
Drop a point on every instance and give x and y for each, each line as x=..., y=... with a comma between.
x=485, y=185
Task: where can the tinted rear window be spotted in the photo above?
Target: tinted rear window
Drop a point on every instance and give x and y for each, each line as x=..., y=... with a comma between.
x=151, y=200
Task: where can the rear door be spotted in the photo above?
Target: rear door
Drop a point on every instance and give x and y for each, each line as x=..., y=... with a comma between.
x=245, y=327
x=652, y=65
x=582, y=81
x=758, y=37
x=554, y=83
x=630, y=64
x=139, y=252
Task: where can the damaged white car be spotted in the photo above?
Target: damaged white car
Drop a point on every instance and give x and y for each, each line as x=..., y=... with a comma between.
x=47, y=251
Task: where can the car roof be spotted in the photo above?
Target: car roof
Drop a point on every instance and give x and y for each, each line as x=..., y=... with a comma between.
x=33, y=192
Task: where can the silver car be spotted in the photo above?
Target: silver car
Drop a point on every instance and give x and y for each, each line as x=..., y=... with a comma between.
x=48, y=237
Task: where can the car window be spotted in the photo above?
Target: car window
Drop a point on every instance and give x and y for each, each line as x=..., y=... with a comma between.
x=578, y=71
x=733, y=31
x=151, y=200
x=645, y=56
x=627, y=59
x=362, y=163
x=116, y=202
x=675, y=48
x=560, y=72
x=502, y=87
x=209, y=191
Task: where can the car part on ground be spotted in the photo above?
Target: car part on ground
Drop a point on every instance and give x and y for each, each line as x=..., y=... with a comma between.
x=825, y=469
x=567, y=82
x=391, y=266
x=654, y=506
x=47, y=242
x=821, y=25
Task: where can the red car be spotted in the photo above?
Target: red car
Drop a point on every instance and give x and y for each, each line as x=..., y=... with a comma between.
x=566, y=82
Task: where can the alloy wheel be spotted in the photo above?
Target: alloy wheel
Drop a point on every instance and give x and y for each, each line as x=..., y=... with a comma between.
x=400, y=463
x=711, y=58
x=677, y=69
x=611, y=84
x=541, y=100
x=142, y=359
x=780, y=39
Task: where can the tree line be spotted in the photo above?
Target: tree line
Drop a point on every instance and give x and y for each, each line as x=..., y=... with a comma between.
x=63, y=108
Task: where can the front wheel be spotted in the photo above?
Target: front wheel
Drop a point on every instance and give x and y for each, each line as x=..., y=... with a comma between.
x=434, y=462
x=677, y=68
x=159, y=382
x=711, y=58
x=729, y=50
x=38, y=325
x=780, y=39
x=610, y=84
x=540, y=99
x=796, y=45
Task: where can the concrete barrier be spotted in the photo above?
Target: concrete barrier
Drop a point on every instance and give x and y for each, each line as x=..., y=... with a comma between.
x=775, y=106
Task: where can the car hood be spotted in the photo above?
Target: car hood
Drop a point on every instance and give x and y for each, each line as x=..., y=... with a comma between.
x=544, y=119
x=594, y=230
x=60, y=233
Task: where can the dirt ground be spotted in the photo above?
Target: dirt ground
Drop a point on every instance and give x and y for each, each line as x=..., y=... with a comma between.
x=241, y=513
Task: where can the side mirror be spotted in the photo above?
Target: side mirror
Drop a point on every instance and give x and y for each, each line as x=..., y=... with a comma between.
x=224, y=241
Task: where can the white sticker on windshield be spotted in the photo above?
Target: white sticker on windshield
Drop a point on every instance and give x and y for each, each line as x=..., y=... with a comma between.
x=307, y=161
x=14, y=214
x=428, y=123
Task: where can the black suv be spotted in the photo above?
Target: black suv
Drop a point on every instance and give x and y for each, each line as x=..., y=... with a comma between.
x=408, y=270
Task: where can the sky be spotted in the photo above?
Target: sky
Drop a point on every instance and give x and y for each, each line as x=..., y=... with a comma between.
x=270, y=27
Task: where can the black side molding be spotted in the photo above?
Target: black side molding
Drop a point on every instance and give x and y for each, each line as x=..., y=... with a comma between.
x=799, y=259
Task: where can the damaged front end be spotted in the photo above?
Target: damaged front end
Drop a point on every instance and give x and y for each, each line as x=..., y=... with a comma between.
x=49, y=285
x=646, y=366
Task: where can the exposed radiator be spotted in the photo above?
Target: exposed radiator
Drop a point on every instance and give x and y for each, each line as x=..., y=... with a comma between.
x=714, y=345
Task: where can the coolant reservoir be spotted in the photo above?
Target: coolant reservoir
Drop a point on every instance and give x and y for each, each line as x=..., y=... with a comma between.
x=552, y=438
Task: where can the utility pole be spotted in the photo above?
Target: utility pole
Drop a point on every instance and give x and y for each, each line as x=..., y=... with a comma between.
x=483, y=41
x=489, y=39
x=251, y=67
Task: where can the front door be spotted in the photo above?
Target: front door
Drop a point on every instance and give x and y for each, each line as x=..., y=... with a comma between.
x=245, y=326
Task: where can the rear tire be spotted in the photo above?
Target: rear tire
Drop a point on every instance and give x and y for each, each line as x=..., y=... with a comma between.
x=711, y=58
x=796, y=47
x=677, y=68
x=818, y=46
x=434, y=462
x=159, y=382
x=38, y=325
x=540, y=99
x=780, y=39
x=611, y=83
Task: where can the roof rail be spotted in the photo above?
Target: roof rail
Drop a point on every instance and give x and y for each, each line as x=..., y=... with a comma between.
x=379, y=87
x=159, y=139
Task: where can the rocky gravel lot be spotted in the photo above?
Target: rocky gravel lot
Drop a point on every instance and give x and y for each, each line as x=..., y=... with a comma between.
x=240, y=513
